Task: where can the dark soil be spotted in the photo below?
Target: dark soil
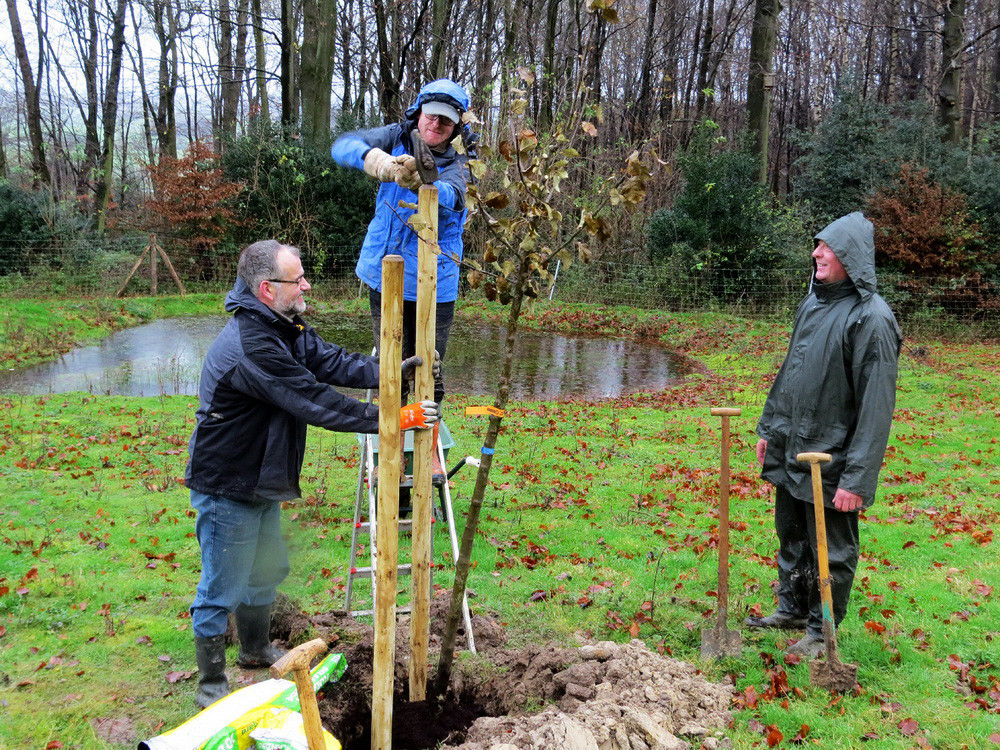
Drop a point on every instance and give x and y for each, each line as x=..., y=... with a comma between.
x=607, y=695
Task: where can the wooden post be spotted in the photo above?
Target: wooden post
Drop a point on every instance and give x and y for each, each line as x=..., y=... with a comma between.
x=152, y=270
x=423, y=441
x=387, y=515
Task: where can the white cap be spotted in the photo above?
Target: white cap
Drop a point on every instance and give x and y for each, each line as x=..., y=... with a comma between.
x=440, y=108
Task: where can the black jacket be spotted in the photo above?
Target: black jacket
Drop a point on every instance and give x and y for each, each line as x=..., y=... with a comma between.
x=836, y=390
x=264, y=380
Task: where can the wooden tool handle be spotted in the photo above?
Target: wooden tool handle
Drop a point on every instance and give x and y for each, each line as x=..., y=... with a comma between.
x=299, y=657
x=725, y=411
x=814, y=458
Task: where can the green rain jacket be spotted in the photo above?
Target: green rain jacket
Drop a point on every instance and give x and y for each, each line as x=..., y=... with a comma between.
x=836, y=390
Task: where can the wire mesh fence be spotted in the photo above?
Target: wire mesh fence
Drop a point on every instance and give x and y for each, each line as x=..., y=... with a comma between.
x=967, y=306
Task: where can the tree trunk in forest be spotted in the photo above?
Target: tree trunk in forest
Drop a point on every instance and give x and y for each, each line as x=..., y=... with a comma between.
x=167, y=28
x=482, y=89
x=289, y=110
x=763, y=37
x=642, y=112
x=442, y=38
x=102, y=193
x=260, y=62
x=547, y=103
x=32, y=102
x=232, y=65
x=3, y=156
x=949, y=90
x=319, y=28
x=704, y=59
x=147, y=106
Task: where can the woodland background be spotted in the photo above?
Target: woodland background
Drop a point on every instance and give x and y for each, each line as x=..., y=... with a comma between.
x=209, y=125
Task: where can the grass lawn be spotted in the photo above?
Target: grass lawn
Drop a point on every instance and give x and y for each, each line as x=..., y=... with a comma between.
x=600, y=523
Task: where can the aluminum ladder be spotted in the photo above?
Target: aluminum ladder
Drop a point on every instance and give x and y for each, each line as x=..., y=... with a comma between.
x=365, y=504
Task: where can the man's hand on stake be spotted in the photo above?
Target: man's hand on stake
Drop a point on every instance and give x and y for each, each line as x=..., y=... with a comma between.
x=420, y=415
x=409, y=367
x=436, y=366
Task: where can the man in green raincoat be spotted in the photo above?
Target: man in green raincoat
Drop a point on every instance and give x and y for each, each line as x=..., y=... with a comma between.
x=835, y=393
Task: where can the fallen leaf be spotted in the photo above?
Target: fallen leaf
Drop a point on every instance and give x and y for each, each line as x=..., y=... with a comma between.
x=774, y=735
x=908, y=727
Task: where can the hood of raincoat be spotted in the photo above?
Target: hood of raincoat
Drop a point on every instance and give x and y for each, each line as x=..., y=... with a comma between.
x=447, y=91
x=852, y=239
x=442, y=90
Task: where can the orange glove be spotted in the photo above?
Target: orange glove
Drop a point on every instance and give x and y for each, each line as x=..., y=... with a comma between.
x=418, y=416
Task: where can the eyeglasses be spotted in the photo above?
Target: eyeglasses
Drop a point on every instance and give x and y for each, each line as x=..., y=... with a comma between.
x=297, y=281
x=440, y=119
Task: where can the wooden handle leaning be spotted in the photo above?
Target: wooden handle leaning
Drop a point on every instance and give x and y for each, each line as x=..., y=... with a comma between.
x=725, y=411
x=814, y=458
x=299, y=657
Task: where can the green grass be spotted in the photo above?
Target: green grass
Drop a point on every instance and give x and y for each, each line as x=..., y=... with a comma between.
x=600, y=523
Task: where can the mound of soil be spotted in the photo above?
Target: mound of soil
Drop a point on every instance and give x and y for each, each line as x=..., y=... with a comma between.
x=601, y=696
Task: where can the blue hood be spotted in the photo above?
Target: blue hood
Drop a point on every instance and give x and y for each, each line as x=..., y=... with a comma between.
x=442, y=90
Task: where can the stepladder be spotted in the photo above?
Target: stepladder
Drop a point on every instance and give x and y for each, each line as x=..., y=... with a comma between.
x=366, y=521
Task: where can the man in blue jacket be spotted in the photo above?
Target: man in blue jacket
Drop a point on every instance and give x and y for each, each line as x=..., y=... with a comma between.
x=266, y=377
x=386, y=153
x=835, y=393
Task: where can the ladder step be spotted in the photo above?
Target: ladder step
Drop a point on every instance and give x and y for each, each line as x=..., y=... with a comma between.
x=366, y=572
x=406, y=524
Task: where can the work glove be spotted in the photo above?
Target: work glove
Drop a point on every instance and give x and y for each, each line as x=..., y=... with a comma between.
x=380, y=165
x=409, y=367
x=420, y=415
x=407, y=176
x=436, y=366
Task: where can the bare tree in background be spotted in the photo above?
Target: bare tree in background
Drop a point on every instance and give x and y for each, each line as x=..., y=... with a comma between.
x=32, y=101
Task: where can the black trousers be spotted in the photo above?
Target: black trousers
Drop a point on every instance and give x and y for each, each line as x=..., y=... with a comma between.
x=798, y=569
x=444, y=316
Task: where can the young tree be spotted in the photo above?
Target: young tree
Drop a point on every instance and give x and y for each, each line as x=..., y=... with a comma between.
x=531, y=224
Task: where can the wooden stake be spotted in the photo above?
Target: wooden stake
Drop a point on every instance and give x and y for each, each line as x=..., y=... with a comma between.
x=387, y=515
x=423, y=442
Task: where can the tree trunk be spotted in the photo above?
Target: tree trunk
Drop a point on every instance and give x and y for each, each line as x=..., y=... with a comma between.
x=289, y=112
x=547, y=104
x=3, y=156
x=319, y=25
x=167, y=28
x=32, y=102
x=763, y=38
x=464, y=563
x=442, y=38
x=949, y=90
x=260, y=62
x=704, y=59
x=147, y=104
x=102, y=194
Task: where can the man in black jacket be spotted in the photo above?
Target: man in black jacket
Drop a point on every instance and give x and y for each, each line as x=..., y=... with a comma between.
x=266, y=377
x=835, y=393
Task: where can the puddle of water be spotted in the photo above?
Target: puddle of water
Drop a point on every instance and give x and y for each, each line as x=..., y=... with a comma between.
x=164, y=358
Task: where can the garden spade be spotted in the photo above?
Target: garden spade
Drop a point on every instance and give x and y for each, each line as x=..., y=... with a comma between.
x=297, y=661
x=831, y=674
x=720, y=641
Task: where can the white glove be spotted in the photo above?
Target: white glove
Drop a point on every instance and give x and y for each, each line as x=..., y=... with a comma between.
x=406, y=175
x=380, y=165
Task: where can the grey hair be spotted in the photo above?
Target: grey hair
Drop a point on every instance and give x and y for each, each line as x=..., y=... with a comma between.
x=258, y=262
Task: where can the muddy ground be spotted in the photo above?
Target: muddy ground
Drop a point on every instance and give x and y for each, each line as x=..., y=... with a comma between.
x=598, y=696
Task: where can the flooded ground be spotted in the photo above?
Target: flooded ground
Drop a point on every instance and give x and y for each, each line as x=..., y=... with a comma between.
x=164, y=358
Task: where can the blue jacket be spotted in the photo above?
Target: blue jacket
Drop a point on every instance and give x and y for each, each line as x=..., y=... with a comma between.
x=388, y=232
x=264, y=380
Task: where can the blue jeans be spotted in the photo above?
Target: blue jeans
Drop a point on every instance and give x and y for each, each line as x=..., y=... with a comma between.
x=243, y=559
